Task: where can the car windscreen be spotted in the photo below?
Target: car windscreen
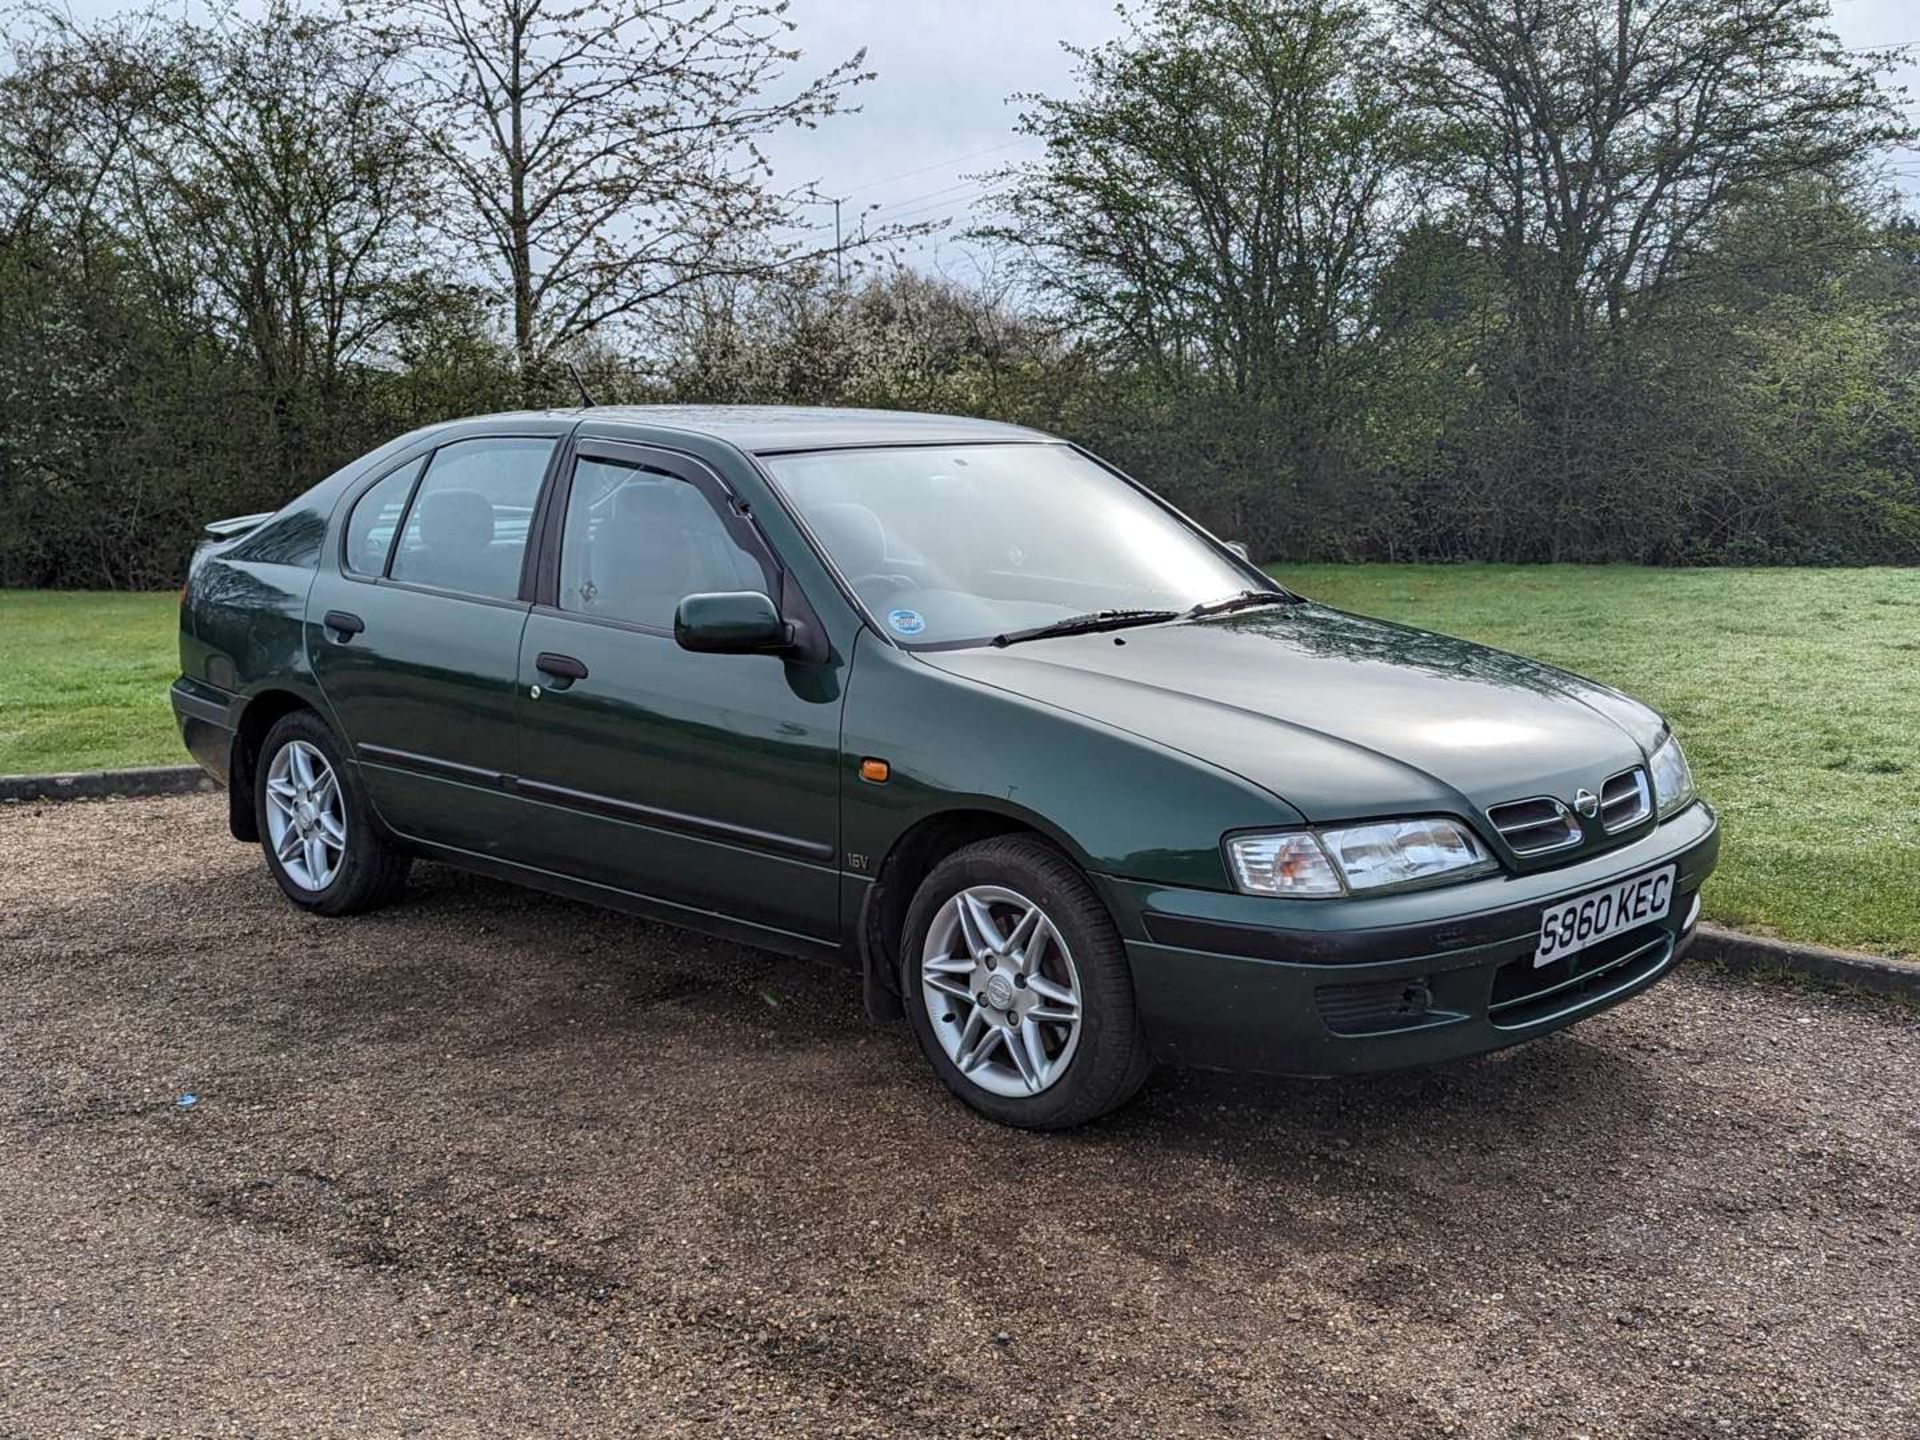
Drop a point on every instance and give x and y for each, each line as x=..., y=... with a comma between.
x=948, y=545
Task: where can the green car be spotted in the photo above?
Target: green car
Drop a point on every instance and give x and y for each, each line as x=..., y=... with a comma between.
x=1075, y=785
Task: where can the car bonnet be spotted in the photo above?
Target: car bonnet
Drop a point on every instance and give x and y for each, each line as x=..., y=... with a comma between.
x=1338, y=715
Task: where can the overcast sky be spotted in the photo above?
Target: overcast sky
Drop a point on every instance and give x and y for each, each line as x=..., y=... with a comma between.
x=939, y=111
x=939, y=115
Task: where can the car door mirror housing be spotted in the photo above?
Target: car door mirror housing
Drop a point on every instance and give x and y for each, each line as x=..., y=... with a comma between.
x=732, y=622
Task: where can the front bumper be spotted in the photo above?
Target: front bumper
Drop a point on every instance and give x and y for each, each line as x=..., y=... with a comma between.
x=1238, y=982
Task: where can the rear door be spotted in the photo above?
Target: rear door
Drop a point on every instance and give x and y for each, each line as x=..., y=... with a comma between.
x=707, y=781
x=414, y=633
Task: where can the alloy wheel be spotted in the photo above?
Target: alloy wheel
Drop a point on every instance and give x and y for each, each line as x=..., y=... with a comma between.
x=1001, y=990
x=306, y=815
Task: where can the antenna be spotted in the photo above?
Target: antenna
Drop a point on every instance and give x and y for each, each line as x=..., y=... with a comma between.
x=586, y=395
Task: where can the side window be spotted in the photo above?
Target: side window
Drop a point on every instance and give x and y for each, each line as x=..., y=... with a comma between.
x=637, y=542
x=467, y=527
x=376, y=520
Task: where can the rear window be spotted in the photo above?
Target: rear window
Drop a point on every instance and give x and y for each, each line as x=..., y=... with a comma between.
x=466, y=529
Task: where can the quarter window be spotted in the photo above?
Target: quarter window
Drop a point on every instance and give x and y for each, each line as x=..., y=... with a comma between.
x=638, y=541
x=376, y=520
x=467, y=527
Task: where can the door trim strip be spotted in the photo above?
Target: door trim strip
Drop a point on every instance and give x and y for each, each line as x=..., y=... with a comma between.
x=429, y=765
x=653, y=815
x=592, y=803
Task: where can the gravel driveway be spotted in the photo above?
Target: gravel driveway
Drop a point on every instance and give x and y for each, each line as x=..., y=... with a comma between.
x=492, y=1163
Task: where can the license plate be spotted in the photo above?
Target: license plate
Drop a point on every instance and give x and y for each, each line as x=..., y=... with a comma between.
x=1588, y=919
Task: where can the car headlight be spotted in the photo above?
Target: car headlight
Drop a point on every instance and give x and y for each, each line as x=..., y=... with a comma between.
x=1319, y=864
x=1672, y=778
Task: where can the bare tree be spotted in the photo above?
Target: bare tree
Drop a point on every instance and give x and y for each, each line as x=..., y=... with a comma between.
x=601, y=153
x=74, y=102
x=1598, y=140
x=1219, y=195
x=1214, y=206
x=1593, y=147
x=260, y=171
x=290, y=183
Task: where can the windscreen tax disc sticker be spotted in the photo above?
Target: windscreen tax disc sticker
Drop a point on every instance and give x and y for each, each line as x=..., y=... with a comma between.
x=906, y=622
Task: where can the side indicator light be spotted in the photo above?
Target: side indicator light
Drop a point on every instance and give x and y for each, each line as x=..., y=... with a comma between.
x=875, y=772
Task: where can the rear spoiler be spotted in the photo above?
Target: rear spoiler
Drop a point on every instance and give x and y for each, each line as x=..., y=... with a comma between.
x=234, y=526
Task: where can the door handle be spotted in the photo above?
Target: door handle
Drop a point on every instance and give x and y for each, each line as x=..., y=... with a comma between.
x=344, y=623
x=563, y=670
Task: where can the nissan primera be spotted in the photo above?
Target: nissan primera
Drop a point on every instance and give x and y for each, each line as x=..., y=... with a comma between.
x=1076, y=786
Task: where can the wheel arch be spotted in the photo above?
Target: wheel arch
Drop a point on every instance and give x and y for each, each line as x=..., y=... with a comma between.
x=262, y=710
x=911, y=858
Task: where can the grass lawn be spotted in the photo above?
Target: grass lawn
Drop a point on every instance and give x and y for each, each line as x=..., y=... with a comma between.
x=83, y=681
x=1797, y=693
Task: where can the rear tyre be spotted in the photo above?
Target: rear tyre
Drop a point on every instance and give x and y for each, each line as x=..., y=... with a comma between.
x=316, y=827
x=1017, y=986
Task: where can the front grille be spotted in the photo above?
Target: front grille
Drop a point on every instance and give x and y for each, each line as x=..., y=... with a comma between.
x=1534, y=827
x=1625, y=800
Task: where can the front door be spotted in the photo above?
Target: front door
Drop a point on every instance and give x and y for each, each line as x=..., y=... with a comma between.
x=705, y=781
x=414, y=633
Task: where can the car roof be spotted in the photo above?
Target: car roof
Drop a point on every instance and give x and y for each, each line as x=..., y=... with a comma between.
x=772, y=429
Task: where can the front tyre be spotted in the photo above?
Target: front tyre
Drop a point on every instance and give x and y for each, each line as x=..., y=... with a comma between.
x=315, y=825
x=1017, y=986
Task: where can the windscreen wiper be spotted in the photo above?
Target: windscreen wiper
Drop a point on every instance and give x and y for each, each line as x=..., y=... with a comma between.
x=1086, y=624
x=1245, y=600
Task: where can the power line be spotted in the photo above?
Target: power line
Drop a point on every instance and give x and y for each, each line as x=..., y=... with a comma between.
x=936, y=165
x=890, y=211
x=930, y=195
x=913, y=207
x=956, y=203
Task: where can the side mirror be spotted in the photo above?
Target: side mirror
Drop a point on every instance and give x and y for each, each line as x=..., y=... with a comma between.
x=732, y=622
x=1239, y=547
